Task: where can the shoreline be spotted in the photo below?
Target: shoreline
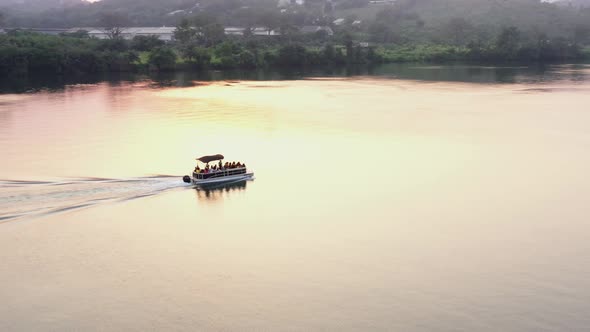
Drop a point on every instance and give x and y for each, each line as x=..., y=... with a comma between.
x=467, y=71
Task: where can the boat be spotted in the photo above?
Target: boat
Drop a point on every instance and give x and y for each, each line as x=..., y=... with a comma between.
x=200, y=177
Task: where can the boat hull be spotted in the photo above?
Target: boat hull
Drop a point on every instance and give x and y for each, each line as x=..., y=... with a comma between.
x=222, y=179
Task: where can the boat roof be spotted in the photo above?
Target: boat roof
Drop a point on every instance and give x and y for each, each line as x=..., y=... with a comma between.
x=208, y=159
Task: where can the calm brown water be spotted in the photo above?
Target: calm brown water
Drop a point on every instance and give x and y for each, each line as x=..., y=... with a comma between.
x=381, y=203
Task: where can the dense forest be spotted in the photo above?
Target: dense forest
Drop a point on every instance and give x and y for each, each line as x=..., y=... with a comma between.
x=364, y=32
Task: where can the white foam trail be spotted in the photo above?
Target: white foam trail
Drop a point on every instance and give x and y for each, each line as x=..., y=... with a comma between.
x=20, y=199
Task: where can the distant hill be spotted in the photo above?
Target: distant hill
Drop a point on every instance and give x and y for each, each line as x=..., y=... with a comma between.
x=533, y=16
x=399, y=20
x=70, y=13
x=574, y=3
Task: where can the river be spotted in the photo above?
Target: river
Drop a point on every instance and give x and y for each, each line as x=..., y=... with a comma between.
x=401, y=198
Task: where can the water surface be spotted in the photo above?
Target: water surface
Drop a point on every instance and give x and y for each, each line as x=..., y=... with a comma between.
x=412, y=199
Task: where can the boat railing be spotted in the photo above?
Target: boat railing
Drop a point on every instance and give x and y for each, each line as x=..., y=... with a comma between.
x=222, y=173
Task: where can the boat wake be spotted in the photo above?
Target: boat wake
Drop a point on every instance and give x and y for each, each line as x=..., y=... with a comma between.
x=21, y=199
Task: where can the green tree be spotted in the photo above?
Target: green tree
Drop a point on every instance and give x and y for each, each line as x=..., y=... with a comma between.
x=359, y=56
x=292, y=55
x=288, y=31
x=332, y=55
x=83, y=60
x=348, y=42
x=508, y=42
x=146, y=43
x=246, y=59
x=197, y=55
x=372, y=56
x=212, y=34
x=162, y=58
x=184, y=32
x=115, y=45
x=131, y=56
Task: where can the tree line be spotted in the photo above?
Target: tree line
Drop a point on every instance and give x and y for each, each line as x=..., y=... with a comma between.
x=409, y=30
x=25, y=52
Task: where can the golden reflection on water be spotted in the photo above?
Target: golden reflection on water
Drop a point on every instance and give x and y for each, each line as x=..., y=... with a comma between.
x=378, y=205
x=107, y=131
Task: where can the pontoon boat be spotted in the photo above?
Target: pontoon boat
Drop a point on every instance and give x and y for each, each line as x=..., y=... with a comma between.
x=209, y=175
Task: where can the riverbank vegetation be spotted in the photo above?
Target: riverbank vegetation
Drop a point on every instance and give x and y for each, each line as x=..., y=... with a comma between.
x=357, y=32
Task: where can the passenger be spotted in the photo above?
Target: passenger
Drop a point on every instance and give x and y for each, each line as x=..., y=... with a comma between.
x=220, y=164
x=233, y=164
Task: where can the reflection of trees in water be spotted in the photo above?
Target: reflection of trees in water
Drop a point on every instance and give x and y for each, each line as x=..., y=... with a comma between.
x=219, y=191
x=456, y=72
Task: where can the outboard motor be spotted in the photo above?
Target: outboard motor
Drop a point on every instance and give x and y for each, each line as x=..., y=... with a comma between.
x=186, y=179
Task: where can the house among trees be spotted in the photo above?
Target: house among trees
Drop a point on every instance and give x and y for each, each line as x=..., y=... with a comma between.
x=45, y=31
x=163, y=33
x=339, y=21
x=167, y=33
x=285, y=3
x=382, y=2
x=256, y=31
x=310, y=29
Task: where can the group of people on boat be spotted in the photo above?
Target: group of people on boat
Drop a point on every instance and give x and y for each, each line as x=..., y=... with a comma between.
x=220, y=167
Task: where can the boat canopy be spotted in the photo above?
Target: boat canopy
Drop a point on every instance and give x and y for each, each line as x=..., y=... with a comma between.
x=208, y=159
